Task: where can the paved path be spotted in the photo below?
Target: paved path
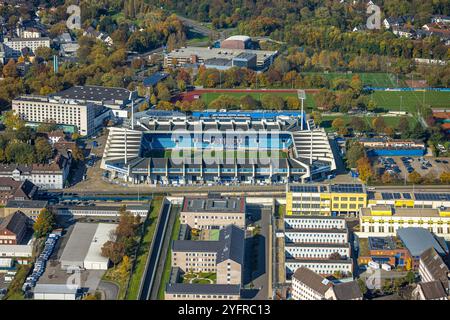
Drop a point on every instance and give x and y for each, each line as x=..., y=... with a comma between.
x=109, y=289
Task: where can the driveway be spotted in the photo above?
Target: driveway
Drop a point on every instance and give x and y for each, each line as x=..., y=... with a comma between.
x=109, y=289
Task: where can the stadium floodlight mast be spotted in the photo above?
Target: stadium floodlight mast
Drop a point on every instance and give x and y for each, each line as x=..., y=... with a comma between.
x=302, y=96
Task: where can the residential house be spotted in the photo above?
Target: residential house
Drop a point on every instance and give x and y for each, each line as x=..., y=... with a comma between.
x=14, y=228
x=433, y=290
x=16, y=190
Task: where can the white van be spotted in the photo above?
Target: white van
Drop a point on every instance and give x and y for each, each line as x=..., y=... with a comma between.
x=386, y=267
x=374, y=265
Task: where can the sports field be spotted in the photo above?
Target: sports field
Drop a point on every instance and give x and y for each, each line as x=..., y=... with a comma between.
x=211, y=96
x=373, y=79
x=410, y=100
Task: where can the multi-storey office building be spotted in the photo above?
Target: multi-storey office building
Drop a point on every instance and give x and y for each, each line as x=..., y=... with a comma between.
x=316, y=235
x=383, y=221
x=213, y=212
x=320, y=266
x=223, y=257
x=320, y=243
x=86, y=117
x=316, y=250
x=258, y=147
x=119, y=100
x=316, y=222
x=14, y=46
x=325, y=199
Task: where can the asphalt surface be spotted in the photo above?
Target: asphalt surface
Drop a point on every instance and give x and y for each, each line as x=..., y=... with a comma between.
x=154, y=254
x=110, y=290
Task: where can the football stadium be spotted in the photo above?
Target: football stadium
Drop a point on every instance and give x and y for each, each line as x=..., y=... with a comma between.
x=258, y=147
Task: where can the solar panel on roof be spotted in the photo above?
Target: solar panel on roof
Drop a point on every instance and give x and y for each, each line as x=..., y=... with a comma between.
x=406, y=195
x=386, y=196
x=397, y=195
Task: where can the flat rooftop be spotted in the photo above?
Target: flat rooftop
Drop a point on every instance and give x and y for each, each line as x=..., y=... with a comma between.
x=94, y=93
x=403, y=212
x=216, y=205
x=327, y=188
x=420, y=196
x=287, y=230
x=196, y=288
x=206, y=53
x=325, y=261
x=78, y=244
x=26, y=204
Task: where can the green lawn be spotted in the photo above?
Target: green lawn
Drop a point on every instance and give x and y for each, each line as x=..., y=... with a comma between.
x=149, y=230
x=168, y=264
x=200, y=278
x=374, y=79
x=392, y=100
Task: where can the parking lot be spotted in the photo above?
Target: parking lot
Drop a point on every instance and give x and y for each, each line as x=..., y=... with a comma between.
x=401, y=167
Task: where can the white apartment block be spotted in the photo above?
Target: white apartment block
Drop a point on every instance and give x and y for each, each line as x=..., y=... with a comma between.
x=308, y=285
x=316, y=251
x=14, y=46
x=316, y=236
x=307, y=222
x=322, y=267
x=384, y=221
x=85, y=116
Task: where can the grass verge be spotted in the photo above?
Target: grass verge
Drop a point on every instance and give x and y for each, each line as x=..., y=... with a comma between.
x=167, y=264
x=141, y=258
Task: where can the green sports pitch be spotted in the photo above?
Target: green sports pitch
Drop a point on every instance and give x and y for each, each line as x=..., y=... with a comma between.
x=410, y=101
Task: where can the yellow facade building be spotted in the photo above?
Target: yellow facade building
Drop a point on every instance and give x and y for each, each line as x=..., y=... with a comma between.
x=325, y=199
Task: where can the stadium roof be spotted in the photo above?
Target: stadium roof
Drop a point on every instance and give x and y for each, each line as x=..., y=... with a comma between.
x=417, y=240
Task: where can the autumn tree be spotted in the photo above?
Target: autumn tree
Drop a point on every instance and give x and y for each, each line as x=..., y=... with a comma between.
x=358, y=124
x=364, y=169
x=293, y=103
x=445, y=178
x=338, y=123
x=163, y=92
x=325, y=100
x=317, y=116
x=10, y=69
x=415, y=177
x=354, y=153
x=44, y=223
x=43, y=149
x=403, y=125
x=379, y=124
